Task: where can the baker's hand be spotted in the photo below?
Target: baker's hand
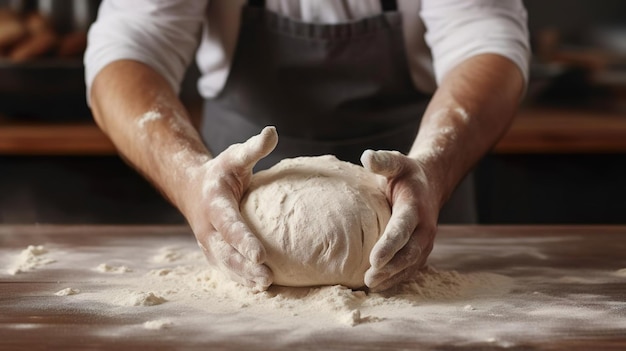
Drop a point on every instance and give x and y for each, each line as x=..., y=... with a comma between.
x=408, y=238
x=227, y=242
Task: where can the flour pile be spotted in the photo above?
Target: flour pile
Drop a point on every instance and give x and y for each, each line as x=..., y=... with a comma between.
x=29, y=259
x=183, y=279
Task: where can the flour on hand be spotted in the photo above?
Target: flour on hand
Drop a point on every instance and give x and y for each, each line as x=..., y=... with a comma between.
x=318, y=218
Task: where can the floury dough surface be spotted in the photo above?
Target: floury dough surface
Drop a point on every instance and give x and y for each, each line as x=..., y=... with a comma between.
x=318, y=218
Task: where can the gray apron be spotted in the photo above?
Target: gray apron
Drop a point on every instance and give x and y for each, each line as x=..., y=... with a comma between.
x=329, y=89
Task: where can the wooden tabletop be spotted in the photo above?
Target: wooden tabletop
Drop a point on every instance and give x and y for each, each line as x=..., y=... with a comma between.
x=535, y=131
x=579, y=273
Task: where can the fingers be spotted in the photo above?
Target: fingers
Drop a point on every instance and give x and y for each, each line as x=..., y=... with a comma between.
x=224, y=208
x=247, y=155
x=403, y=221
x=231, y=245
x=386, y=163
x=406, y=257
x=404, y=216
x=395, y=280
x=403, y=265
x=241, y=270
x=227, y=220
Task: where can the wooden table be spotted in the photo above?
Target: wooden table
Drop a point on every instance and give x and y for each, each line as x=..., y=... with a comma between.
x=577, y=268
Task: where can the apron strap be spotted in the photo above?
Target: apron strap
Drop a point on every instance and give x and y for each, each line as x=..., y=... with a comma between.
x=386, y=5
x=389, y=5
x=256, y=3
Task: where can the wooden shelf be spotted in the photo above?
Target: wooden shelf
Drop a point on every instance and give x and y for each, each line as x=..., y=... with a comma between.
x=558, y=131
x=53, y=139
x=535, y=131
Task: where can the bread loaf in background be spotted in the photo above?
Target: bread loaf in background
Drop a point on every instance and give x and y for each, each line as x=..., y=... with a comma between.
x=32, y=36
x=12, y=29
x=41, y=39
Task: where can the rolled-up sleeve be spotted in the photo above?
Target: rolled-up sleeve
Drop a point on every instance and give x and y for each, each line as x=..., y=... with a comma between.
x=459, y=29
x=163, y=34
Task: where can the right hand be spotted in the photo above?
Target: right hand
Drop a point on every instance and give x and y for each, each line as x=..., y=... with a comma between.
x=408, y=239
x=213, y=211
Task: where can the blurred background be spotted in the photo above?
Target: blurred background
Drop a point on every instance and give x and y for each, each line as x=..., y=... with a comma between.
x=563, y=160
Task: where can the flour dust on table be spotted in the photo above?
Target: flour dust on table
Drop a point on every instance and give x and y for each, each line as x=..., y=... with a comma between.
x=29, y=259
x=107, y=268
x=187, y=283
x=67, y=292
x=169, y=291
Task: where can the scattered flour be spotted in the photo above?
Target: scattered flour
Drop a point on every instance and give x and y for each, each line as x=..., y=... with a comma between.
x=29, y=259
x=353, y=318
x=158, y=324
x=167, y=254
x=205, y=289
x=67, y=292
x=468, y=308
x=106, y=268
x=140, y=298
x=433, y=285
x=438, y=307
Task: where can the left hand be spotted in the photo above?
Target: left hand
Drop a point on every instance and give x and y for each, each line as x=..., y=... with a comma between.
x=408, y=238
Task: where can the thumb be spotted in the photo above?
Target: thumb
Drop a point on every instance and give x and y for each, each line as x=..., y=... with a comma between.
x=247, y=154
x=386, y=163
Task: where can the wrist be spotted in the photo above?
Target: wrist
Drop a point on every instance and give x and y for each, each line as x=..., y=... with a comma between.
x=441, y=148
x=186, y=172
x=433, y=174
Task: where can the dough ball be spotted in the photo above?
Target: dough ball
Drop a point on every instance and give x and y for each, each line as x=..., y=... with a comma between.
x=318, y=218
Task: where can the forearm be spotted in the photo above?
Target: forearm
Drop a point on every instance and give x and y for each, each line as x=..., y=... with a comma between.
x=468, y=114
x=146, y=121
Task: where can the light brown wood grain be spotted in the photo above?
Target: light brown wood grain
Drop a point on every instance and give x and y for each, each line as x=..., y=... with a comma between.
x=534, y=131
x=559, y=131
x=53, y=139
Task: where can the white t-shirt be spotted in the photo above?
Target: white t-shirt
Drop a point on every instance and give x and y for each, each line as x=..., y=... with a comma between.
x=165, y=34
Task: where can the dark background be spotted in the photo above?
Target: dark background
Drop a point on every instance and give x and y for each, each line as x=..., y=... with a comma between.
x=520, y=188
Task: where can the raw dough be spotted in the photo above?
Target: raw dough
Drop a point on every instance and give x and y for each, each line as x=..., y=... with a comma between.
x=318, y=219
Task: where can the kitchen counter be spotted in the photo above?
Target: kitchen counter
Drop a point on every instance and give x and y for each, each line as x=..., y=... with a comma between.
x=566, y=290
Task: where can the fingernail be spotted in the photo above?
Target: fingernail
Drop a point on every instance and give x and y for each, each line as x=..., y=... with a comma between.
x=263, y=278
x=256, y=255
x=374, y=277
x=269, y=129
x=366, y=157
